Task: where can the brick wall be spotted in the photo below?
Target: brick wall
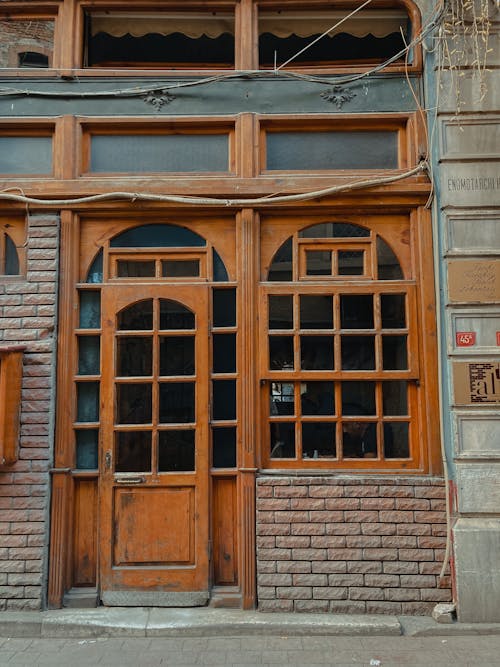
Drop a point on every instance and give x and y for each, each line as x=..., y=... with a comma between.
x=24, y=35
x=350, y=544
x=27, y=316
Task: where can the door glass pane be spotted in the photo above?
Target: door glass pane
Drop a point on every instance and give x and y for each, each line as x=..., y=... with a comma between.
x=318, y=440
x=95, y=272
x=224, y=353
x=86, y=449
x=388, y=264
x=219, y=270
x=224, y=447
x=135, y=269
x=356, y=311
x=11, y=257
x=281, y=398
x=89, y=355
x=177, y=403
x=282, y=440
x=358, y=353
x=138, y=317
x=396, y=440
x=90, y=310
x=316, y=312
x=358, y=398
x=176, y=451
x=87, y=401
x=224, y=307
x=316, y=353
x=393, y=311
x=394, y=395
x=177, y=355
x=133, y=403
x=318, y=262
x=351, y=262
x=281, y=312
x=134, y=356
x=174, y=315
x=180, y=268
x=317, y=398
x=394, y=353
x=133, y=451
x=334, y=230
x=158, y=236
x=281, y=353
x=359, y=440
x=281, y=267
x=224, y=399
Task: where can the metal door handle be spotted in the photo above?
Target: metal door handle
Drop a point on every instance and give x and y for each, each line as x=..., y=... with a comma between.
x=130, y=480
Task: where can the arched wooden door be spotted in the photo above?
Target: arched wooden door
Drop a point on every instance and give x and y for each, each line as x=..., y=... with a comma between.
x=154, y=484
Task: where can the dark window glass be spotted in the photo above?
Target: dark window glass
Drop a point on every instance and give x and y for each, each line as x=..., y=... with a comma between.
x=317, y=398
x=89, y=355
x=174, y=315
x=393, y=311
x=11, y=257
x=220, y=271
x=180, y=268
x=133, y=452
x=281, y=398
x=359, y=439
x=87, y=449
x=138, y=317
x=332, y=150
x=32, y=59
x=90, y=310
x=157, y=236
x=224, y=307
x=281, y=265
x=316, y=312
x=176, y=451
x=358, y=398
x=316, y=353
x=95, y=272
x=334, y=230
x=224, y=447
x=26, y=155
x=358, y=353
x=318, y=440
x=135, y=269
x=356, y=311
x=133, y=403
x=394, y=395
x=177, y=403
x=394, y=353
x=224, y=399
x=281, y=312
x=282, y=440
x=87, y=402
x=396, y=440
x=224, y=353
x=351, y=262
x=134, y=356
x=389, y=267
x=177, y=355
x=281, y=353
x=318, y=262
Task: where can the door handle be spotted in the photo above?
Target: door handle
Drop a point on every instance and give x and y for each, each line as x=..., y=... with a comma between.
x=130, y=480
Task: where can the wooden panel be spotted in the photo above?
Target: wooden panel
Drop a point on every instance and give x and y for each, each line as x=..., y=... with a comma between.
x=225, y=535
x=154, y=526
x=85, y=533
x=11, y=370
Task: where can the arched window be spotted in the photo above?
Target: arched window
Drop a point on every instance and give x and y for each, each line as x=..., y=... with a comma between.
x=9, y=257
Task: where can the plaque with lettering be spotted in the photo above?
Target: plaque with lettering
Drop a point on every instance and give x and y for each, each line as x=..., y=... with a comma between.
x=474, y=281
x=476, y=383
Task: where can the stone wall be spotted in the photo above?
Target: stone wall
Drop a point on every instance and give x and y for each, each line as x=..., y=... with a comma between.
x=351, y=544
x=27, y=316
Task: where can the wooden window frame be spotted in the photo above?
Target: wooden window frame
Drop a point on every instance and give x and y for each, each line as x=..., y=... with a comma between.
x=11, y=373
x=158, y=255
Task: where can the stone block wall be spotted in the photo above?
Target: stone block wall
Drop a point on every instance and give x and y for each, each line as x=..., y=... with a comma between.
x=351, y=544
x=27, y=317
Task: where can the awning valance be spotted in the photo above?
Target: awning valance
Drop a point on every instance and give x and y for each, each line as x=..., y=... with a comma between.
x=139, y=24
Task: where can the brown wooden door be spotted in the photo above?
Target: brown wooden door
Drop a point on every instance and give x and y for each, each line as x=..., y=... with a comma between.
x=154, y=509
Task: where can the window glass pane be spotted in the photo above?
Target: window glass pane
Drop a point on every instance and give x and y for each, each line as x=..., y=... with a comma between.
x=135, y=269
x=316, y=353
x=86, y=449
x=351, y=262
x=133, y=403
x=87, y=402
x=334, y=230
x=224, y=307
x=224, y=447
x=26, y=42
x=95, y=272
x=177, y=355
x=359, y=439
x=282, y=399
x=220, y=271
x=395, y=397
x=90, y=310
x=396, y=440
x=317, y=398
x=358, y=398
x=316, y=312
x=89, y=355
x=174, y=315
x=138, y=317
x=281, y=312
x=318, y=440
x=224, y=353
x=388, y=264
x=133, y=452
x=394, y=353
x=180, y=268
x=134, y=356
x=26, y=155
x=393, y=311
x=281, y=353
x=318, y=262
x=157, y=236
x=358, y=353
x=281, y=265
x=177, y=403
x=224, y=399
x=332, y=150
x=356, y=311
x=161, y=152
x=283, y=440
x=176, y=451
x=11, y=258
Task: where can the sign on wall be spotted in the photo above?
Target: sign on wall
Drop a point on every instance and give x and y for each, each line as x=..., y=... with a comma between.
x=476, y=382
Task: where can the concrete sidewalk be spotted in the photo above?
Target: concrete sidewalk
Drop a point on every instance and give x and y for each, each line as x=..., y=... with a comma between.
x=208, y=622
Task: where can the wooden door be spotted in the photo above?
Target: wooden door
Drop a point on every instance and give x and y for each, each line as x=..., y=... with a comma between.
x=154, y=509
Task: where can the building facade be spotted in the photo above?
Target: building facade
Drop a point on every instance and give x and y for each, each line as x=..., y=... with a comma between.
x=249, y=299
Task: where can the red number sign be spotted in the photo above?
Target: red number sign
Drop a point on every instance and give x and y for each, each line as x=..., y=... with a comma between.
x=466, y=338
x=498, y=337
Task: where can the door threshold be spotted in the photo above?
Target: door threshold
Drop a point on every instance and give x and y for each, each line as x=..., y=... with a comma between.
x=228, y=597
x=139, y=598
